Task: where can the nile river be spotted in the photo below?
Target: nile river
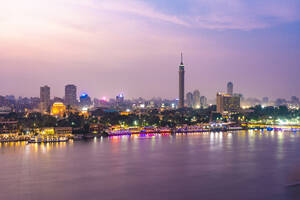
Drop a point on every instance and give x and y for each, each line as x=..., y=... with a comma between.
x=240, y=165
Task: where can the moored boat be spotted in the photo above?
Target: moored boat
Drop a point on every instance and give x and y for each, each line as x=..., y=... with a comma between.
x=47, y=140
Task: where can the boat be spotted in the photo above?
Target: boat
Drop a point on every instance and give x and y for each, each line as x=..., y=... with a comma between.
x=77, y=137
x=89, y=136
x=35, y=140
x=47, y=140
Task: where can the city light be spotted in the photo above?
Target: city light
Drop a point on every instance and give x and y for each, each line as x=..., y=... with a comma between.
x=84, y=95
x=84, y=109
x=97, y=101
x=104, y=98
x=58, y=109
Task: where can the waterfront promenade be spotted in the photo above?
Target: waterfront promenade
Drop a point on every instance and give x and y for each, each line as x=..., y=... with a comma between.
x=211, y=127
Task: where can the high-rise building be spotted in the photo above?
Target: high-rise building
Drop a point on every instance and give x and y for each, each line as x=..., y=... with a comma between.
x=70, y=95
x=85, y=100
x=196, y=99
x=295, y=100
x=281, y=102
x=45, y=98
x=240, y=95
x=189, y=100
x=181, y=84
x=230, y=88
x=227, y=104
x=203, y=102
x=120, y=98
x=265, y=100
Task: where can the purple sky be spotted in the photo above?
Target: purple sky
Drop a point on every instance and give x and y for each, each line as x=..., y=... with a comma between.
x=110, y=46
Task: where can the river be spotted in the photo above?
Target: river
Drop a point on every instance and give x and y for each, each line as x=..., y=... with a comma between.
x=211, y=166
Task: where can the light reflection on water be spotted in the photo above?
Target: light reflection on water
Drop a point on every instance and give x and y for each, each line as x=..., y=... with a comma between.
x=223, y=165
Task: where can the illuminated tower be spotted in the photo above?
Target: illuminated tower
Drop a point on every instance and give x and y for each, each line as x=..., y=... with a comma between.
x=181, y=84
x=230, y=88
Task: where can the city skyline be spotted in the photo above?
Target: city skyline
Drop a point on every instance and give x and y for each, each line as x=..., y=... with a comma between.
x=150, y=99
x=222, y=41
x=76, y=95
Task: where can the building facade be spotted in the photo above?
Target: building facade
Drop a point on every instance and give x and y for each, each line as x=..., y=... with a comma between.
x=189, y=100
x=58, y=110
x=85, y=100
x=120, y=98
x=45, y=98
x=230, y=88
x=196, y=99
x=70, y=95
x=203, y=102
x=227, y=104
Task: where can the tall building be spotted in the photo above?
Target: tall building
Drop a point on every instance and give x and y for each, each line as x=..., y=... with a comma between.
x=189, y=100
x=120, y=98
x=181, y=84
x=230, y=88
x=203, y=102
x=85, y=100
x=196, y=99
x=227, y=104
x=45, y=98
x=70, y=95
x=295, y=100
x=265, y=100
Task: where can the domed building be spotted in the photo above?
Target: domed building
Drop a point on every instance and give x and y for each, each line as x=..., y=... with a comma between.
x=58, y=109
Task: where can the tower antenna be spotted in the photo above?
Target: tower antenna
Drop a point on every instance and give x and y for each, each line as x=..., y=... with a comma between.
x=181, y=58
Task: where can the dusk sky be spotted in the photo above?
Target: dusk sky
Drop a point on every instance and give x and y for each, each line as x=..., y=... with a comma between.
x=133, y=46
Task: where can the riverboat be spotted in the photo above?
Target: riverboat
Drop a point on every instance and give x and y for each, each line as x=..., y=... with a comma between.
x=47, y=140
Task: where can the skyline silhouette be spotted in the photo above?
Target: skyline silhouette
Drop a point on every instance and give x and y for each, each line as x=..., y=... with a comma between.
x=107, y=47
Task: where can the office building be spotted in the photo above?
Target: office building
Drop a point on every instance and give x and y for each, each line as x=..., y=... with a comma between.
x=189, y=100
x=203, y=102
x=265, y=100
x=196, y=99
x=230, y=88
x=70, y=95
x=45, y=98
x=227, y=104
x=120, y=98
x=85, y=100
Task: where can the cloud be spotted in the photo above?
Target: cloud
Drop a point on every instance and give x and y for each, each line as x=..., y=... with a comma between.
x=111, y=40
x=74, y=31
x=140, y=9
x=215, y=14
x=81, y=30
x=40, y=15
x=242, y=14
